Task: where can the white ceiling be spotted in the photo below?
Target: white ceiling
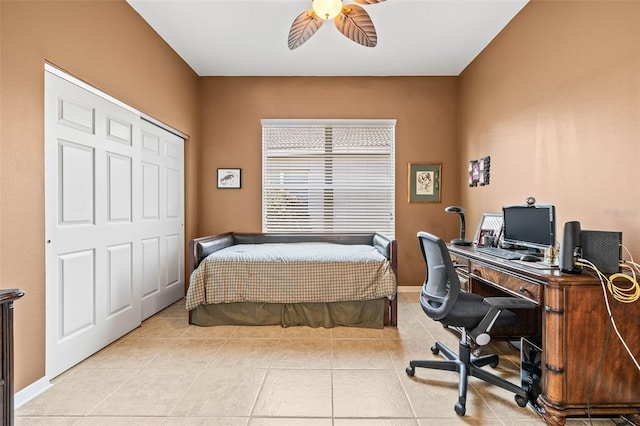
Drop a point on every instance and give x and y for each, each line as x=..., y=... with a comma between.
x=249, y=37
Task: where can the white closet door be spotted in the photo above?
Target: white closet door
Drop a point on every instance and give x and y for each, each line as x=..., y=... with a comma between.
x=161, y=218
x=114, y=219
x=93, y=246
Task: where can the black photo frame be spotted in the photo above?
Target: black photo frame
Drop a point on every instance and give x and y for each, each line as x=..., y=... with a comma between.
x=229, y=178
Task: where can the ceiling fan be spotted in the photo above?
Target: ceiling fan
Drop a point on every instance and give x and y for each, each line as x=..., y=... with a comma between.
x=350, y=19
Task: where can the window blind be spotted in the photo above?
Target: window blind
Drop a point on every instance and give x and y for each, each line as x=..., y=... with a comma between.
x=328, y=176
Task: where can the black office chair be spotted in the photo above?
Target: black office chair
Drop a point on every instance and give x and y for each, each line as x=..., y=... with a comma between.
x=473, y=315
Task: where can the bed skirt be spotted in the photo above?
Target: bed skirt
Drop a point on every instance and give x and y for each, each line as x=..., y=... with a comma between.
x=369, y=314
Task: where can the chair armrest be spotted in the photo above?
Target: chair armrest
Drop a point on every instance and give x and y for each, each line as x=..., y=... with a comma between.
x=480, y=334
x=509, y=303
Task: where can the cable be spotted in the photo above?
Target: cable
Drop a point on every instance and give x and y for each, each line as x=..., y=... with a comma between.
x=598, y=368
x=621, y=294
x=632, y=293
x=603, y=278
x=628, y=419
x=629, y=294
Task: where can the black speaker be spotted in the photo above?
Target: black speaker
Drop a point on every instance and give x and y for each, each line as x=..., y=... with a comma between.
x=603, y=249
x=570, y=248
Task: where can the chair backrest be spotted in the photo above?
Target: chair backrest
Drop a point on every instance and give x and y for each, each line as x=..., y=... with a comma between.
x=442, y=286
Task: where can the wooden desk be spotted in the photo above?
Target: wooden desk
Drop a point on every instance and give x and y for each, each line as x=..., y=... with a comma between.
x=572, y=324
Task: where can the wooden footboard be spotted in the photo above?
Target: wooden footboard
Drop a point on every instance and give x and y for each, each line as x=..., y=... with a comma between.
x=200, y=248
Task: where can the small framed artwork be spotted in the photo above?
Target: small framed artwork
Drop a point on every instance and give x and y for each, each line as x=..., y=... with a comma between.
x=484, y=166
x=425, y=183
x=490, y=226
x=229, y=178
x=474, y=173
x=479, y=171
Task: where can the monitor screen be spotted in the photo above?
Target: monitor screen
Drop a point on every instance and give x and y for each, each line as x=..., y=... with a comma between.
x=530, y=226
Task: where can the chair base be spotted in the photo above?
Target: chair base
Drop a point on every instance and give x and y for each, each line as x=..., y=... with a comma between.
x=466, y=366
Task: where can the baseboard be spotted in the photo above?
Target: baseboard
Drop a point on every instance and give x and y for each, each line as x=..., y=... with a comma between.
x=409, y=288
x=30, y=392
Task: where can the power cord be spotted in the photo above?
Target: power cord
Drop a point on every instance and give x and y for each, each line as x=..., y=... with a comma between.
x=632, y=293
x=605, y=348
x=621, y=294
x=628, y=294
x=625, y=421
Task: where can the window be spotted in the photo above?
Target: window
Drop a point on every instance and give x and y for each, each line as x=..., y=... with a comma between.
x=328, y=176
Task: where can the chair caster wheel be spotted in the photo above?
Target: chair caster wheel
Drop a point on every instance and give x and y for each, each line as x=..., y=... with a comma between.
x=435, y=350
x=411, y=371
x=460, y=408
x=521, y=401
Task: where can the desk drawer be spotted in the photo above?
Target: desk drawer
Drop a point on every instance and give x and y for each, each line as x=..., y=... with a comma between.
x=518, y=286
x=462, y=268
x=460, y=260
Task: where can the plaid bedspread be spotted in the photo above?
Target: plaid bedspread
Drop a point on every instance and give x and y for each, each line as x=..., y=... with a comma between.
x=291, y=273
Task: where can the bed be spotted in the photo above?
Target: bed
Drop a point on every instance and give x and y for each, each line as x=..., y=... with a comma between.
x=316, y=280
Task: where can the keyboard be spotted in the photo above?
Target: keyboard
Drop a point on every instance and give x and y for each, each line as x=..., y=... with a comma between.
x=499, y=252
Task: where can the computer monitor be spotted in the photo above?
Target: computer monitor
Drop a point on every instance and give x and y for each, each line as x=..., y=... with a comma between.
x=531, y=226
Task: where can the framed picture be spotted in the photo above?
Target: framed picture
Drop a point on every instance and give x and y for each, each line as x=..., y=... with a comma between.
x=484, y=166
x=474, y=173
x=229, y=178
x=479, y=171
x=425, y=183
x=490, y=225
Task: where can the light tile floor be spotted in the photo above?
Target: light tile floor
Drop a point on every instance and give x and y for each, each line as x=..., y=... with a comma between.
x=168, y=372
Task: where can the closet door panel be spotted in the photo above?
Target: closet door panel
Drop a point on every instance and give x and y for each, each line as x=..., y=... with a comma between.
x=92, y=242
x=75, y=183
x=150, y=266
x=120, y=279
x=119, y=182
x=150, y=191
x=162, y=168
x=77, y=292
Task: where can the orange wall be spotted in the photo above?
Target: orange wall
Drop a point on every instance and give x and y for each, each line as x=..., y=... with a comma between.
x=108, y=45
x=555, y=101
x=425, y=109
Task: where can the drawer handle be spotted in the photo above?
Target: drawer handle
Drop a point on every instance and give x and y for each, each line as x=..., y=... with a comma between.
x=477, y=272
x=523, y=289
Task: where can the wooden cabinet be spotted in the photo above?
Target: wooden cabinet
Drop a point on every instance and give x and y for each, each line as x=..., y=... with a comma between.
x=584, y=364
x=7, y=297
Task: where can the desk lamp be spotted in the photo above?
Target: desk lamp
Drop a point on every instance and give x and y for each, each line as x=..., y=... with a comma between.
x=459, y=241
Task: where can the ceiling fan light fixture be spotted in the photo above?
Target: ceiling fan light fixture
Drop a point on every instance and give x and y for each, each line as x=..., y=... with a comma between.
x=352, y=21
x=327, y=9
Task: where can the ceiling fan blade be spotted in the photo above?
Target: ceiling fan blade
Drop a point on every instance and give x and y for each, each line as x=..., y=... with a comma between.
x=303, y=27
x=354, y=22
x=368, y=1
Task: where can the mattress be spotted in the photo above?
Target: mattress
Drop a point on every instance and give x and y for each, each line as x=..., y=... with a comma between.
x=291, y=273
